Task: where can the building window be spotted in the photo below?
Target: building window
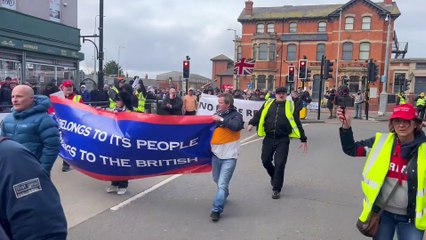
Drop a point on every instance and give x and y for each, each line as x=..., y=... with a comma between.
x=291, y=52
x=263, y=51
x=349, y=23
x=322, y=27
x=261, y=82
x=272, y=53
x=420, y=66
x=293, y=27
x=366, y=23
x=238, y=53
x=364, y=51
x=347, y=51
x=255, y=51
x=260, y=28
x=270, y=28
x=320, y=51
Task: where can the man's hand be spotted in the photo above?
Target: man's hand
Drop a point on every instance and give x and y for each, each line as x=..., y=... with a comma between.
x=217, y=118
x=304, y=147
x=249, y=127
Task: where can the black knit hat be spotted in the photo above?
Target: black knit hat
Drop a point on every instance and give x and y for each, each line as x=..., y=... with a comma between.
x=281, y=90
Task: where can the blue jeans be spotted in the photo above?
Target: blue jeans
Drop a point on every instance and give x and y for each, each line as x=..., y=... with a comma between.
x=358, y=110
x=222, y=170
x=389, y=222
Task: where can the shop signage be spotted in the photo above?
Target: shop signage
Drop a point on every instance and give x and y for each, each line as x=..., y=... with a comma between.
x=303, y=37
x=9, y=4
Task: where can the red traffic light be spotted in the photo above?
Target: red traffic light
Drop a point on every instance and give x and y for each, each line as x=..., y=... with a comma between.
x=290, y=70
x=302, y=63
x=185, y=64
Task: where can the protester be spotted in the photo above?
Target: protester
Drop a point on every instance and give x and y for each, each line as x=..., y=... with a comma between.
x=85, y=94
x=190, y=103
x=123, y=103
x=331, y=97
x=68, y=90
x=395, y=160
x=358, y=100
x=172, y=104
x=225, y=146
x=99, y=97
x=401, y=98
x=30, y=125
x=141, y=95
x=30, y=205
x=421, y=105
x=278, y=121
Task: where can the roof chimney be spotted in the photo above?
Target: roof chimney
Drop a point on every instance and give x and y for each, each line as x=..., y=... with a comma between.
x=388, y=2
x=248, y=10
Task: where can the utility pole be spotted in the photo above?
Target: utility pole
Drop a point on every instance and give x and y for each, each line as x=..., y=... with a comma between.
x=101, y=46
x=384, y=94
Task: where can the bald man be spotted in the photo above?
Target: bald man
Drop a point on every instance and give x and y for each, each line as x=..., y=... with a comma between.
x=30, y=125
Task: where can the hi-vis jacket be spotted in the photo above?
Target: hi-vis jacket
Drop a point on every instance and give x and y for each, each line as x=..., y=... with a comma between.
x=141, y=102
x=377, y=167
x=277, y=120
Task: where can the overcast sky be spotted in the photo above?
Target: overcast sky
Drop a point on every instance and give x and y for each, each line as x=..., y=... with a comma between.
x=154, y=36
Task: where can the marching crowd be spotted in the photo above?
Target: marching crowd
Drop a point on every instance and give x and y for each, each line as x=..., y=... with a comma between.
x=393, y=183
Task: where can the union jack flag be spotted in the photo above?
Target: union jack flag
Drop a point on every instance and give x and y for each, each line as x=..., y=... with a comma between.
x=244, y=67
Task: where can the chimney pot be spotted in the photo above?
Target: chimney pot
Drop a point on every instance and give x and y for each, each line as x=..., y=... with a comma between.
x=248, y=10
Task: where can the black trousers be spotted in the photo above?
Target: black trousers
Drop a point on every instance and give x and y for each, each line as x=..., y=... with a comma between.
x=275, y=150
x=120, y=184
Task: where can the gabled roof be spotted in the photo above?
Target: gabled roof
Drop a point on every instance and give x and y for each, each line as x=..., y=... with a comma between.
x=311, y=11
x=221, y=57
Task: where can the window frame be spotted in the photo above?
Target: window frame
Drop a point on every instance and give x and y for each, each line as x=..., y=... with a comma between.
x=349, y=25
x=319, y=55
x=364, y=23
x=364, y=51
x=263, y=52
x=260, y=26
x=291, y=54
x=322, y=27
x=292, y=28
x=269, y=28
x=345, y=51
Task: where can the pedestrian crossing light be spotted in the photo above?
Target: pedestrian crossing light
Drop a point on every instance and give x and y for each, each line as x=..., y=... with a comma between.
x=328, y=69
x=186, y=69
x=291, y=74
x=303, y=68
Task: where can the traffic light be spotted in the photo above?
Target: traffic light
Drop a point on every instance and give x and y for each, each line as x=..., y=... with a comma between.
x=186, y=69
x=291, y=74
x=328, y=69
x=303, y=68
x=373, y=71
x=407, y=85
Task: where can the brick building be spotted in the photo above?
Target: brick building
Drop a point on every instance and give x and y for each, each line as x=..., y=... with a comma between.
x=278, y=37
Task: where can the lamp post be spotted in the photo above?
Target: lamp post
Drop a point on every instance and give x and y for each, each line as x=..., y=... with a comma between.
x=384, y=94
x=118, y=61
x=237, y=82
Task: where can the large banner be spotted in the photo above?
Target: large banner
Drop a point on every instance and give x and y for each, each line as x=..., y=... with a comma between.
x=127, y=145
x=208, y=106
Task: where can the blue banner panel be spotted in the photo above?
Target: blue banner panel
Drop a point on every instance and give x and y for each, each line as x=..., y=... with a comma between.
x=128, y=145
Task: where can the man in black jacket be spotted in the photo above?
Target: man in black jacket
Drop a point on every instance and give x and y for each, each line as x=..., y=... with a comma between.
x=278, y=121
x=172, y=104
x=30, y=207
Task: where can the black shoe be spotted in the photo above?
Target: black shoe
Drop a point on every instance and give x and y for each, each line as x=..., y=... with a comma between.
x=215, y=216
x=66, y=168
x=275, y=195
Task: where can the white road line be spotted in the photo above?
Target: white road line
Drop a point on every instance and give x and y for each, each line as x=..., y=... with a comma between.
x=141, y=194
x=173, y=177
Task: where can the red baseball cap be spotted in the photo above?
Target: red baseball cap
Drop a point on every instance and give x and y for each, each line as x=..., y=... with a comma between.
x=404, y=111
x=67, y=83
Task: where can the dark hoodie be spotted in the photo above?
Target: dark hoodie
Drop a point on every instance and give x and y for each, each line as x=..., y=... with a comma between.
x=36, y=130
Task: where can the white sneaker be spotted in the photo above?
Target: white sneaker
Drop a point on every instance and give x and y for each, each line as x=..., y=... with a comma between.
x=112, y=188
x=121, y=191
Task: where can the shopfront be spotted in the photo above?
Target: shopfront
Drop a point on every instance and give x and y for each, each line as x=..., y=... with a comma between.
x=37, y=51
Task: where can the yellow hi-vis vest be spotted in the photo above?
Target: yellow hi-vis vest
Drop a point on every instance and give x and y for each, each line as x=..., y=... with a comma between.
x=376, y=169
x=141, y=103
x=112, y=101
x=289, y=109
x=401, y=99
x=76, y=98
x=421, y=102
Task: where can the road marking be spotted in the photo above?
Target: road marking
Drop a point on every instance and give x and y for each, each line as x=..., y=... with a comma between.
x=173, y=177
x=141, y=194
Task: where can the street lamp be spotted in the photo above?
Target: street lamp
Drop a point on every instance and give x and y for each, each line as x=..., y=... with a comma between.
x=384, y=94
x=237, y=82
x=118, y=61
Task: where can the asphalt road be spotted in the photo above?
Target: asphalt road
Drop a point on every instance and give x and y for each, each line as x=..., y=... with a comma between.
x=321, y=198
